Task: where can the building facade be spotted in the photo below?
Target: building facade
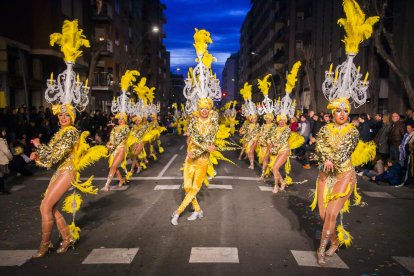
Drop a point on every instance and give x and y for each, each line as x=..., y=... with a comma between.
x=230, y=78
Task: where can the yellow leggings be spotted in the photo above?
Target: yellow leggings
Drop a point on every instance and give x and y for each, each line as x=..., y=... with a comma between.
x=194, y=174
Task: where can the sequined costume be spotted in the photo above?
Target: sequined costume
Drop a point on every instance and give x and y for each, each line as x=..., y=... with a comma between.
x=201, y=136
x=117, y=143
x=251, y=135
x=279, y=140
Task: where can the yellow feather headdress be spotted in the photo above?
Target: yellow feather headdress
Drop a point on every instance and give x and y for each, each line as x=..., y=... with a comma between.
x=70, y=40
x=128, y=79
x=292, y=77
x=357, y=28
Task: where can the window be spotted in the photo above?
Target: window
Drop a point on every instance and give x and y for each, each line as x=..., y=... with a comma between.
x=300, y=15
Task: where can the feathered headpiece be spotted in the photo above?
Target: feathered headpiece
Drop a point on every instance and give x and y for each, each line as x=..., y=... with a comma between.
x=201, y=83
x=346, y=82
x=285, y=108
x=248, y=108
x=122, y=106
x=67, y=93
x=267, y=105
x=144, y=107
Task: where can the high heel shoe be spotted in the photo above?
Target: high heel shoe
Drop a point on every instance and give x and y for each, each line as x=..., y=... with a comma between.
x=275, y=189
x=174, y=219
x=66, y=244
x=320, y=253
x=196, y=215
x=283, y=185
x=121, y=183
x=44, y=249
x=105, y=188
x=334, y=246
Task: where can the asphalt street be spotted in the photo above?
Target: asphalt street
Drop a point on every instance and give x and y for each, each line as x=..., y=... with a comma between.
x=245, y=231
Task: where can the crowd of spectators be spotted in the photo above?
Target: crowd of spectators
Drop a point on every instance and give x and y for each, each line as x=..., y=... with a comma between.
x=393, y=135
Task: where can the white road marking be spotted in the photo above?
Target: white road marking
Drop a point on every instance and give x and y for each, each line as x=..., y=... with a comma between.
x=222, y=187
x=312, y=190
x=406, y=262
x=181, y=147
x=214, y=255
x=308, y=258
x=15, y=257
x=378, y=194
x=160, y=178
x=16, y=188
x=167, y=187
x=265, y=188
x=111, y=256
x=167, y=166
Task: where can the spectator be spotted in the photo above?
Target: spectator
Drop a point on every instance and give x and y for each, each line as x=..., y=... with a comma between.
x=294, y=124
x=304, y=128
x=409, y=117
x=377, y=124
x=5, y=158
x=408, y=139
x=381, y=139
x=326, y=119
x=18, y=164
x=364, y=128
x=395, y=136
x=317, y=125
x=308, y=148
x=376, y=170
x=392, y=175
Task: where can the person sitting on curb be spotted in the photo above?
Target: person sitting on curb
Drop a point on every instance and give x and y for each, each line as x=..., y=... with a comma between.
x=392, y=175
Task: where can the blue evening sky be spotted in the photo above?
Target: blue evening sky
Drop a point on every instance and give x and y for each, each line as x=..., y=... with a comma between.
x=222, y=18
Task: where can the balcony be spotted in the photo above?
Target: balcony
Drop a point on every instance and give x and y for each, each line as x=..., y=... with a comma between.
x=102, y=81
x=102, y=13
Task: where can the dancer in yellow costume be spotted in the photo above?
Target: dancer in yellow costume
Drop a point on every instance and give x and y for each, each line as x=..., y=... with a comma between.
x=266, y=108
x=337, y=143
x=117, y=144
x=66, y=149
x=248, y=108
x=203, y=125
x=282, y=140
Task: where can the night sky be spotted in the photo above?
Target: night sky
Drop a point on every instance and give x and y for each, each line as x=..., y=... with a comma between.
x=223, y=19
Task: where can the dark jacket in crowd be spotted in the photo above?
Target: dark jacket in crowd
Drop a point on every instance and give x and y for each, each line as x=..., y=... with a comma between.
x=381, y=139
x=376, y=126
x=396, y=134
x=317, y=125
x=365, y=131
x=393, y=175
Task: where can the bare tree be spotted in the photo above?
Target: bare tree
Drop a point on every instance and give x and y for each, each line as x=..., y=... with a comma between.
x=307, y=56
x=384, y=42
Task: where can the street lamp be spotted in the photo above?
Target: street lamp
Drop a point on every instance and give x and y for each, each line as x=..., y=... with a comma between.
x=155, y=29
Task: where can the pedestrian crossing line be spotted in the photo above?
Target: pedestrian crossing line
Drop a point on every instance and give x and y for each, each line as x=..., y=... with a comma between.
x=265, y=188
x=116, y=188
x=15, y=188
x=406, y=262
x=220, y=187
x=308, y=258
x=166, y=187
x=378, y=194
x=111, y=256
x=167, y=165
x=15, y=257
x=160, y=178
x=312, y=190
x=214, y=255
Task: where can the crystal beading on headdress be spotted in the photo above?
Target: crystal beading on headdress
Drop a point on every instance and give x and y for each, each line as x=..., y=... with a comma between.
x=122, y=106
x=248, y=108
x=201, y=83
x=67, y=93
x=346, y=82
x=285, y=108
x=267, y=105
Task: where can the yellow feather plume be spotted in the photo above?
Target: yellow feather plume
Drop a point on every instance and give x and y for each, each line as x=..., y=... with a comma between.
x=345, y=209
x=208, y=59
x=344, y=236
x=70, y=40
x=292, y=77
x=357, y=29
x=264, y=85
x=363, y=153
x=315, y=197
x=72, y=203
x=74, y=231
x=128, y=176
x=141, y=89
x=201, y=40
x=295, y=140
x=246, y=91
x=85, y=187
x=91, y=156
x=128, y=79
